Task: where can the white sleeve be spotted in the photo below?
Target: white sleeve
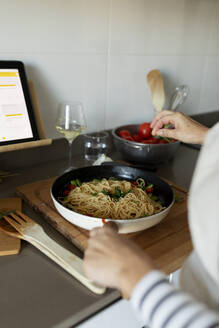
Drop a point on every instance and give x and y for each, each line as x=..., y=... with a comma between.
x=203, y=205
x=161, y=305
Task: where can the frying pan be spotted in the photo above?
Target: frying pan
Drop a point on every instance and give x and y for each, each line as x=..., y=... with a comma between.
x=85, y=174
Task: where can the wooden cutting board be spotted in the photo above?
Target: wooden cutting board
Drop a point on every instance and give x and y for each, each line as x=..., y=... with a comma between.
x=9, y=245
x=168, y=243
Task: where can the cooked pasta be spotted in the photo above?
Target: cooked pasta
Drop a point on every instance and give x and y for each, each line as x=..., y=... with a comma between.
x=111, y=198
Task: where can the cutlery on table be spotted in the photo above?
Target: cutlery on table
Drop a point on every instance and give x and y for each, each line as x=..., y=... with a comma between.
x=156, y=87
x=8, y=245
x=29, y=230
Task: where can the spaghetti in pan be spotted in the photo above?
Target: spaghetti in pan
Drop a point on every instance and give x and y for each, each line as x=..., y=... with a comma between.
x=112, y=198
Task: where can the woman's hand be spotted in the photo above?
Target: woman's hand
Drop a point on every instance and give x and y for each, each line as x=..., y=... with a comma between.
x=184, y=128
x=112, y=260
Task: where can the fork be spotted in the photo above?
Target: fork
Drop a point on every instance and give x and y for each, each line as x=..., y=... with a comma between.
x=34, y=234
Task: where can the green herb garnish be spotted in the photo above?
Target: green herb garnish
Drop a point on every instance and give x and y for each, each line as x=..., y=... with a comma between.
x=106, y=192
x=149, y=186
x=76, y=183
x=153, y=197
x=167, y=126
x=118, y=193
x=96, y=180
x=167, y=139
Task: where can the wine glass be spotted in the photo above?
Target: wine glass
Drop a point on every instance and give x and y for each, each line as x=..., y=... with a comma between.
x=70, y=122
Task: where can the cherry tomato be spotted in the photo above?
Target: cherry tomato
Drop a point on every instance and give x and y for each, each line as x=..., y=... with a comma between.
x=156, y=140
x=129, y=138
x=66, y=192
x=149, y=141
x=137, y=138
x=71, y=186
x=163, y=141
x=124, y=133
x=144, y=130
x=149, y=190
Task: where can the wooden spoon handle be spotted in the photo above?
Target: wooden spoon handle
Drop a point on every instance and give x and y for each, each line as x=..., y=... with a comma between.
x=155, y=82
x=67, y=260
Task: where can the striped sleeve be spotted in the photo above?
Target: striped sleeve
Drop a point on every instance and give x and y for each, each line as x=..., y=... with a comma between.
x=161, y=305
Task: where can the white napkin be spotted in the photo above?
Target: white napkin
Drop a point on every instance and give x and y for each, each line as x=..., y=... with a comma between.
x=103, y=158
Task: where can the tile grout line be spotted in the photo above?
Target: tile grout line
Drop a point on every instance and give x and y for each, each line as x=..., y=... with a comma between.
x=108, y=63
x=206, y=61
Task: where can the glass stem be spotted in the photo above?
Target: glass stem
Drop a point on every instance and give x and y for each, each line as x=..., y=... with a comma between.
x=70, y=152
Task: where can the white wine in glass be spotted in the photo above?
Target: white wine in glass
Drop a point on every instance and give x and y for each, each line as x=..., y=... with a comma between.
x=70, y=122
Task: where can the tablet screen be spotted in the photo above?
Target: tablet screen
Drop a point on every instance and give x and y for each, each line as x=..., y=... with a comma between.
x=16, y=123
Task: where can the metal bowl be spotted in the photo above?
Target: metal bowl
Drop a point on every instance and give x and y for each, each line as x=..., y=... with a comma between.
x=137, y=152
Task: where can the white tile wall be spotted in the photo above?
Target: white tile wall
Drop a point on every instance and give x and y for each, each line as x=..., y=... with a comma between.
x=100, y=51
x=73, y=26
x=159, y=27
x=129, y=97
x=19, y=27
x=213, y=44
x=210, y=86
x=72, y=77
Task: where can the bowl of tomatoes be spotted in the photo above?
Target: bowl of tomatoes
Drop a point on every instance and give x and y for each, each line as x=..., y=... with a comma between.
x=137, y=145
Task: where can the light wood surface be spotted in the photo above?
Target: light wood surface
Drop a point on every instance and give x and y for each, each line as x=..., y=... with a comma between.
x=25, y=145
x=9, y=245
x=29, y=230
x=156, y=87
x=168, y=243
x=37, y=113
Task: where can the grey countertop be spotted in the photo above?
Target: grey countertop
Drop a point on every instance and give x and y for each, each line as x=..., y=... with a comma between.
x=35, y=292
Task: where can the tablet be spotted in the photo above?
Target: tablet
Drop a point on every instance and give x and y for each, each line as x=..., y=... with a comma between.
x=17, y=121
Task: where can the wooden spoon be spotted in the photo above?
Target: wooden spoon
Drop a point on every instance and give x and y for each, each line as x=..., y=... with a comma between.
x=9, y=230
x=155, y=82
x=67, y=260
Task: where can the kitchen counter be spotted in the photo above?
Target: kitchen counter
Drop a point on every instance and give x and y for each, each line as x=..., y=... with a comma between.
x=35, y=292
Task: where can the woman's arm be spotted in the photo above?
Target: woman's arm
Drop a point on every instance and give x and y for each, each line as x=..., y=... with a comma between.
x=114, y=261
x=158, y=304
x=183, y=128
